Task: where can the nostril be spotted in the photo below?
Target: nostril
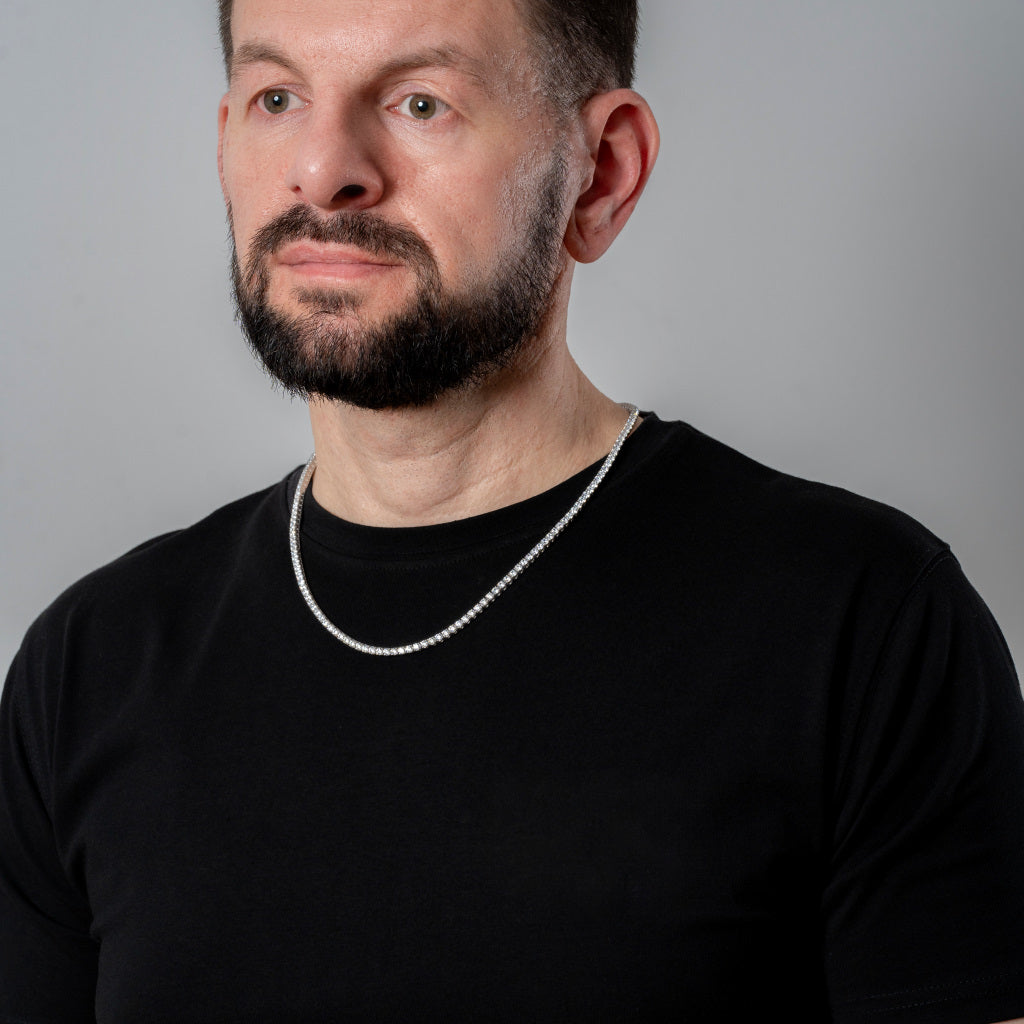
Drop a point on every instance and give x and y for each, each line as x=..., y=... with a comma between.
x=352, y=191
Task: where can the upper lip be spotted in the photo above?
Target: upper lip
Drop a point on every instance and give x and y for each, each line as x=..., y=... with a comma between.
x=296, y=253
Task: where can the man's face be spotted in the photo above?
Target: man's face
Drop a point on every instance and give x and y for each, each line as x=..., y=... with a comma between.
x=396, y=185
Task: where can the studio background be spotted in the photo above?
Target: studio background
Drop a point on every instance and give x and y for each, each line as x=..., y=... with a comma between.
x=826, y=272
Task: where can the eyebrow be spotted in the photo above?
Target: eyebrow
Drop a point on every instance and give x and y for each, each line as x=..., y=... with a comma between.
x=259, y=52
x=435, y=57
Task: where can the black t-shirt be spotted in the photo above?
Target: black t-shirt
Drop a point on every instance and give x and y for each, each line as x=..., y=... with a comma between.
x=735, y=744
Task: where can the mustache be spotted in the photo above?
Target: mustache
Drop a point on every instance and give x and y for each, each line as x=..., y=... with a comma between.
x=367, y=231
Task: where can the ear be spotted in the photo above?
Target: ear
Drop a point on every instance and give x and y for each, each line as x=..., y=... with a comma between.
x=622, y=145
x=222, y=121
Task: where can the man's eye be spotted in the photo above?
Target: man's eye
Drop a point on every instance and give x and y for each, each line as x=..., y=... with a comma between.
x=423, y=107
x=277, y=101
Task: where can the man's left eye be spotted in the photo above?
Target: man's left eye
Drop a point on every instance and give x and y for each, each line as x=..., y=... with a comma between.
x=423, y=107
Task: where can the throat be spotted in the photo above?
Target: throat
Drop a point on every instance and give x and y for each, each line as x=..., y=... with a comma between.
x=466, y=457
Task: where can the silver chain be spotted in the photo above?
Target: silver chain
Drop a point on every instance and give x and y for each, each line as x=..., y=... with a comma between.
x=488, y=598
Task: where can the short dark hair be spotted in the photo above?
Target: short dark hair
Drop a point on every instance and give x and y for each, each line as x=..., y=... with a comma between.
x=585, y=46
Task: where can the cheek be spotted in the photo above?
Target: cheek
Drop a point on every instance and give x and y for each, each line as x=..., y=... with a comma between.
x=253, y=172
x=520, y=193
x=251, y=203
x=468, y=226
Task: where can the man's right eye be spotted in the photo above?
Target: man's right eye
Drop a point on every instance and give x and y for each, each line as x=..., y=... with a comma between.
x=277, y=101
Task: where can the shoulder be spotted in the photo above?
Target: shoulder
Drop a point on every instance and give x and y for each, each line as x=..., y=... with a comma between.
x=172, y=570
x=783, y=568
x=705, y=491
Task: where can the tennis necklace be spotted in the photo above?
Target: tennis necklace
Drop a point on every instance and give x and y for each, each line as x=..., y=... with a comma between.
x=499, y=588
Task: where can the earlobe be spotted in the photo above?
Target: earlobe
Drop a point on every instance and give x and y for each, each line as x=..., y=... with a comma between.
x=622, y=141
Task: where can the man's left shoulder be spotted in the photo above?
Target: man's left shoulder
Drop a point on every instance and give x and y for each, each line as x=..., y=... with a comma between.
x=745, y=512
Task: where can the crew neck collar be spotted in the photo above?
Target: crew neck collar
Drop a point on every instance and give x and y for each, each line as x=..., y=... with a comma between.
x=532, y=515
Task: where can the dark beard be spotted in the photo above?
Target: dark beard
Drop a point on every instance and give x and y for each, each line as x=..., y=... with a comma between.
x=443, y=341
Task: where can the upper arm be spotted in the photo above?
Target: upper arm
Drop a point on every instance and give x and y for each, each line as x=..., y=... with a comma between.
x=924, y=907
x=48, y=960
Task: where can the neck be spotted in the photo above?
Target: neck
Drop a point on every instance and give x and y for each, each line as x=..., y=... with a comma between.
x=532, y=426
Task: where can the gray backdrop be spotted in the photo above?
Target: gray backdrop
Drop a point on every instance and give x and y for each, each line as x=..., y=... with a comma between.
x=827, y=272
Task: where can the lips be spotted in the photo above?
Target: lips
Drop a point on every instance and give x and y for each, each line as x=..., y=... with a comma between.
x=312, y=259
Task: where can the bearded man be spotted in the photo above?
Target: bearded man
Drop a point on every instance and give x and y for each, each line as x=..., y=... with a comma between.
x=513, y=704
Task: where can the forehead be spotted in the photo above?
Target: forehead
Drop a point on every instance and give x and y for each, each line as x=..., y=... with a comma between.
x=488, y=33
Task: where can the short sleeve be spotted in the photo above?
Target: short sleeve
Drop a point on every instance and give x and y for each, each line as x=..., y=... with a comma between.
x=48, y=961
x=924, y=906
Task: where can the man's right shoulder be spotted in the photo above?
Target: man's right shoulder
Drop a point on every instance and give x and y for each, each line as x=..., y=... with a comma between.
x=170, y=569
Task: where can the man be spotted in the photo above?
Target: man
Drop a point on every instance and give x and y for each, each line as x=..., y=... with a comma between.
x=548, y=712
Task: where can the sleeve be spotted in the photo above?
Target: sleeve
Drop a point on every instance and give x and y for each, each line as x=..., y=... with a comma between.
x=924, y=904
x=48, y=961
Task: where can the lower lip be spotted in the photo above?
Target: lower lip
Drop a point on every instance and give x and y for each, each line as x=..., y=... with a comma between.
x=339, y=271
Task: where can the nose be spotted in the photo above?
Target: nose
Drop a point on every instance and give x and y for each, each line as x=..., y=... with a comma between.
x=334, y=166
